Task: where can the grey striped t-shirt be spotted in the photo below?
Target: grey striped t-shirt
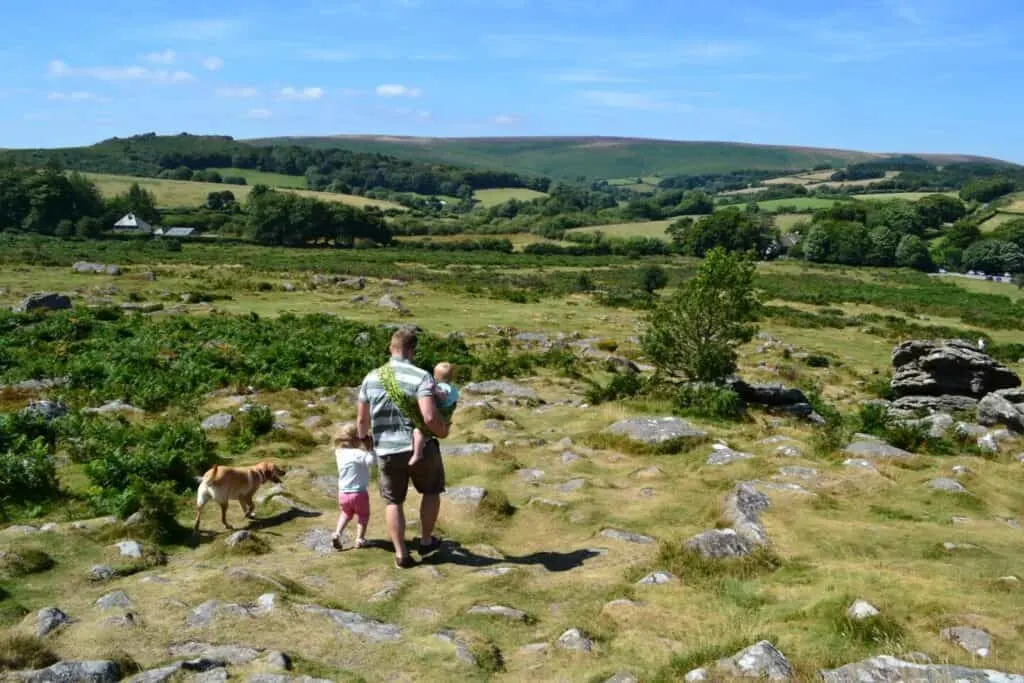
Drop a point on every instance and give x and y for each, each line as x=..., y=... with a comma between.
x=392, y=431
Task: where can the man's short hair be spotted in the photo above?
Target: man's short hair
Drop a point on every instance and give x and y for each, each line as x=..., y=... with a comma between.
x=404, y=341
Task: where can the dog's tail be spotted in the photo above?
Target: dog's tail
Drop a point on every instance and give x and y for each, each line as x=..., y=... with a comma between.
x=211, y=474
x=203, y=494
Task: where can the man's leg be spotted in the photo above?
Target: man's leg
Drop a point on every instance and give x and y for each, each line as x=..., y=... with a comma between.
x=394, y=484
x=395, y=515
x=430, y=507
x=428, y=478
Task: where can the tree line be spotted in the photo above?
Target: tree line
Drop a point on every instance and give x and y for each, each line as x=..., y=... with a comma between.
x=334, y=170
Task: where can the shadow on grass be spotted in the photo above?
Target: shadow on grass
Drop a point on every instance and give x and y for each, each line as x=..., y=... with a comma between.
x=453, y=552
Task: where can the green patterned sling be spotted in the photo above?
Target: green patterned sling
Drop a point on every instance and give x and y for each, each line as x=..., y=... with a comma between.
x=407, y=404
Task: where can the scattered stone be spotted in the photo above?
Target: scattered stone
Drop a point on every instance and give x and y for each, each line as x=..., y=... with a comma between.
x=946, y=484
x=49, y=301
x=802, y=473
x=47, y=410
x=312, y=422
x=888, y=669
x=621, y=366
x=576, y=641
x=789, y=452
x=547, y=503
x=209, y=610
x=462, y=449
x=95, y=671
x=49, y=619
x=357, y=623
x=359, y=283
x=951, y=547
x=768, y=394
x=568, y=457
x=1005, y=407
x=239, y=537
x=467, y=495
x=723, y=455
x=501, y=387
x=988, y=444
x=719, y=543
x=701, y=674
x=627, y=536
x=217, y=675
x=870, y=448
x=859, y=463
x=655, y=430
x=969, y=430
x=318, y=540
x=656, y=579
x=463, y=653
x=218, y=421
x=129, y=548
x=279, y=661
x=117, y=599
x=531, y=475
x=389, y=592
x=962, y=470
x=572, y=485
x=950, y=367
x=116, y=406
x=743, y=508
x=101, y=572
x=761, y=660
x=392, y=302
x=861, y=609
x=499, y=611
x=265, y=604
x=623, y=677
x=974, y=640
x=909, y=406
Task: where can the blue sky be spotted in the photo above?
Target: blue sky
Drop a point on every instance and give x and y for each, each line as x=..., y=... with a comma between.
x=878, y=75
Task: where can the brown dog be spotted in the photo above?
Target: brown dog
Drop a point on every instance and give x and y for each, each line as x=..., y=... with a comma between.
x=224, y=484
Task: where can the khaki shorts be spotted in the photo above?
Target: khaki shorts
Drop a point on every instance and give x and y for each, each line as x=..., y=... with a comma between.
x=427, y=475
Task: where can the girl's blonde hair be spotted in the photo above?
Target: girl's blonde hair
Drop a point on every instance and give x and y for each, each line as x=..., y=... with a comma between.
x=347, y=435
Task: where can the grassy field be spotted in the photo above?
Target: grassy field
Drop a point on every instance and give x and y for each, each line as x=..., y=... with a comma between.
x=570, y=157
x=997, y=220
x=654, y=229
x=497, y=196
x=181, y=193
x=556, y=483
x=796, y=202
x=786, y=221
x=254, y=177
x=908, y=196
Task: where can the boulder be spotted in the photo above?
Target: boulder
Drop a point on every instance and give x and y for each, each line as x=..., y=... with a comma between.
x=575, y=640
x=947, y=484
x=872, y=448
x=720, y=543
x=862, y=609
x=656, y=579
x=48, y=410
x=622, y=366
x=129, y=548
x=768, y=394
x=222, y=654
x=572, y=485
x=116, y=406
x=501, y=387
x=1005, y=407
x=318, y=540
x=908, y=406
x=117, y=599
x=467, y=495
x=655, y=430
x=86, y=267
x=723, y=455
x=974, y=640
x=49, y=619
x=888, y=669
x=391, y=302
x=954, y=367
x=357, y=623
x=211, y=609
x=49, y=301
x=499, y=611
x=761, y=660
x=743, y=509
x=96, y=671
x=627, y=536
x=461, y=449
x=218, y=421
x=101, y=572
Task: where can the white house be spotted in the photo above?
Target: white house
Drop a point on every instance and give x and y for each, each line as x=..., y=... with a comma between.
x=132, y=223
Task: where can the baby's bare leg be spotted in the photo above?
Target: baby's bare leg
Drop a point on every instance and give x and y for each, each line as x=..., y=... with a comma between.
x=417, y=446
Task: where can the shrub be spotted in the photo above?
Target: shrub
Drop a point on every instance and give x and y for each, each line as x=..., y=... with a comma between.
x=619, y=387
x=24, y=562
x=709, y=401
x=609, y=345
x=27, y=471
x=19, y=652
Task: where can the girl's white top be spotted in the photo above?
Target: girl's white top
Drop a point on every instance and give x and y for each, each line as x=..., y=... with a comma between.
x=353, y=469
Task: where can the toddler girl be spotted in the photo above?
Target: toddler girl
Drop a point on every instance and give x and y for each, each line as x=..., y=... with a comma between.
x=353, y=481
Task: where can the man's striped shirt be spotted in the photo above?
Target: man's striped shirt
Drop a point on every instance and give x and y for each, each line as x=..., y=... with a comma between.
x=392, y=431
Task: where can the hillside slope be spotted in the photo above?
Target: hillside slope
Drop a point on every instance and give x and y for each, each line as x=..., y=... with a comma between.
x=592, y=157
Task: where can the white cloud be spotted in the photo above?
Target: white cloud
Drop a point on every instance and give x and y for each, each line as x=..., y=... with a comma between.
x=242, y=91
x=506, y=119
x=76, y=96
x=165, y=57
x=397, y=90
x=213, y=63
x=59, y=69
x=305, y=94
x=637, y=101
x=259, y=113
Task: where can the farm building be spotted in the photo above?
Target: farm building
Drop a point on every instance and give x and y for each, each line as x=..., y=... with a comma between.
x=176, y=232
x=132, y=223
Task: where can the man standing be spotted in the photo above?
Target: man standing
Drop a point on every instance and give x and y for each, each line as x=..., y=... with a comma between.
x=391, y=438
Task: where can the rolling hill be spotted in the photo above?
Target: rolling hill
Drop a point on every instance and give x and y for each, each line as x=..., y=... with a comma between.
x=593, y=157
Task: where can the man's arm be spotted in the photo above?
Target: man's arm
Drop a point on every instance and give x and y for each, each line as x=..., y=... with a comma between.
x=432, y=416
x=363, y=422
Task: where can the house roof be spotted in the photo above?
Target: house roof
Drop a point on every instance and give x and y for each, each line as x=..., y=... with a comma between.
x=130, y=220
x=179, y=232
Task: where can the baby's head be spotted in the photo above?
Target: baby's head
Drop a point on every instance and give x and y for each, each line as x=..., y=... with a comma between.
x=443, y=372
x=347, y=436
